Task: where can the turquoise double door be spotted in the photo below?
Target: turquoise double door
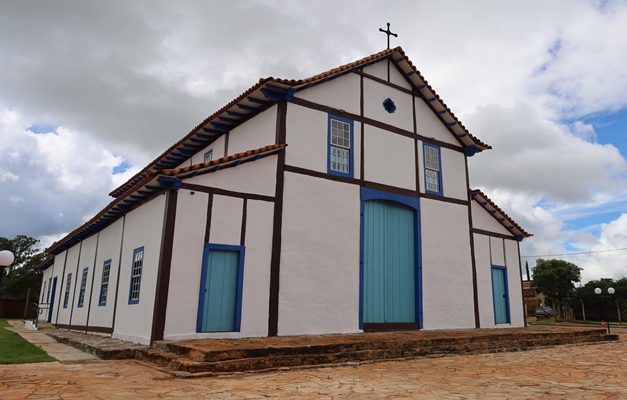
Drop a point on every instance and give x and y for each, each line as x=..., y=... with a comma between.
x=389, y=276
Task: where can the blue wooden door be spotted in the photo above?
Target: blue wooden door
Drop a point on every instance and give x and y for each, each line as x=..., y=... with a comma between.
x=220, y=296
x=501, y=301
x=389, y=293
x=51, y=304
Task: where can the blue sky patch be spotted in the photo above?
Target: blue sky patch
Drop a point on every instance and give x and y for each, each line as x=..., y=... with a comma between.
x=122, y=167
x=43, y=128
x=592, y=223
x=611, y=128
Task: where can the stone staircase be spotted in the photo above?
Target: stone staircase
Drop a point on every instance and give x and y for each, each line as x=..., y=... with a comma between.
x=196, y=358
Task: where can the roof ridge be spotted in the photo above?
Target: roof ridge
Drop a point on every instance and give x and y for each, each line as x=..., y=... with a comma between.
x=293, y=83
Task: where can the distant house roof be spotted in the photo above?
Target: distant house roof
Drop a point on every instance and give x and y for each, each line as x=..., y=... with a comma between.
x=498, y=214
x=269, y=91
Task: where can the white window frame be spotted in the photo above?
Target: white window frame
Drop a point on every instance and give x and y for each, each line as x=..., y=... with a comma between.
x=340, y=147
x=81, y=295
x=104, y=284
x=136, y=275
x=433, y=169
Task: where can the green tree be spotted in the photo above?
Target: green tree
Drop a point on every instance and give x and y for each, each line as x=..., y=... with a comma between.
x=21, y=275
x=596, y=303
x=555, y=279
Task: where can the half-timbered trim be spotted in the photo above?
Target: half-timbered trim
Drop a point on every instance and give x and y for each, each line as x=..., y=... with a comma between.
x=119, y=273
x=372, y=122
x=475, y=289
x=275, y=262
x=242, y=239
x=225, y=192
x=165, y=266
x=208, y=222
x=493, y=234
x=93, y=278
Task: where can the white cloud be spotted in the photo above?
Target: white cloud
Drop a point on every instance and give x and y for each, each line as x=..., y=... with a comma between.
x=5, y=175
x=63, y=177
x=535, y=156
x=510, y=70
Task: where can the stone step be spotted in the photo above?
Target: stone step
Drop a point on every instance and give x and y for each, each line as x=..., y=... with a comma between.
x=194, y=361
x=209, y=354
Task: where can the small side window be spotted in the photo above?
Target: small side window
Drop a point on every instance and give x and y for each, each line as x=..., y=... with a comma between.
x=433, y=169
x=104, y=286
x=209, y=156
x=81, y=295
x=136, y=275
x=340, y=146
x=66, y=297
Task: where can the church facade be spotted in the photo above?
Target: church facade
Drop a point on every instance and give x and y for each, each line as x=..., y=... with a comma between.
x=334, y=204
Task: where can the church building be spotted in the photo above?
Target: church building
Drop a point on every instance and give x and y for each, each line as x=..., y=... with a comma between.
x=338, y=203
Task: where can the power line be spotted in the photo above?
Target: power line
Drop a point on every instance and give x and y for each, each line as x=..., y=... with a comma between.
x=572, y=254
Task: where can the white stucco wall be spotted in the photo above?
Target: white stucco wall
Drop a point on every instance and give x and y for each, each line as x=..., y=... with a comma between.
x=397, y=78
x=143, y=228
x=59, y=262
x=380, y=70
x=257, y=132
x=429, y=125
x=497, y=251
x=109, y=246
x=512, y=260
x=45, y=278
x=374, y=95
x=70, y=267
x=186, y=267
x=340, y=93
x=319, y=281
x=389, y=158
x=481, y=219
x=306, y=136
x=490, y=251
x=446, y=266
x=226, y=214
x=88, y=254
x=242, y=179
x=255, y=299
x=453, y=174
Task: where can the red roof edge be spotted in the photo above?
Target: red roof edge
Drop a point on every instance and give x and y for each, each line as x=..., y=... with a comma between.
x=500, y=211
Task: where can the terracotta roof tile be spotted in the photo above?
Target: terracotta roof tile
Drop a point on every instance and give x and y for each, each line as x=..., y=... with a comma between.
x=295, y=83
x=500, y=211
x=154, y=174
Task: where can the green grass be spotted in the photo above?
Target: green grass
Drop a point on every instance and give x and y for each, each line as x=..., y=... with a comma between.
x=14, y=349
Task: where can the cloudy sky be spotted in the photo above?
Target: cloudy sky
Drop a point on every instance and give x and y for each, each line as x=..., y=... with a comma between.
x=90, y=91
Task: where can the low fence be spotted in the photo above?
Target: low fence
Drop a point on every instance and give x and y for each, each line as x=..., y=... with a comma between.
x=14, y=308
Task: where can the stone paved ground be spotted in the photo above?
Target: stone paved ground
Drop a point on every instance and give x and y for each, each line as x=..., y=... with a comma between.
x=577, y=372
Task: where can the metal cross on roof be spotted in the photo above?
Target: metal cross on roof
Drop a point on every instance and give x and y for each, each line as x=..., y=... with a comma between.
x=388, y=32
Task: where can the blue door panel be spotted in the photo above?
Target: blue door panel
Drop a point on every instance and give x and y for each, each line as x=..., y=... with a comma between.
x=51, y=304
x=389, y=263
x=499, y=290
x=220, y=295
